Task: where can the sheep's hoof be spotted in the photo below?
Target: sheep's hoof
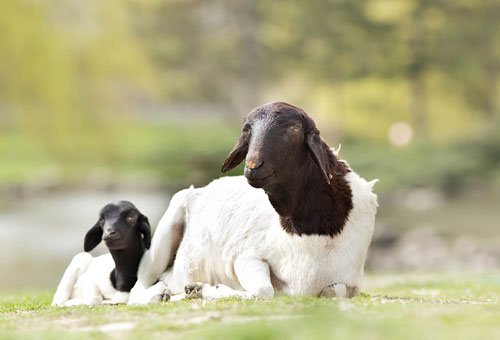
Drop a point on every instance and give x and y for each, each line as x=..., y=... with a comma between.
x=163, y=297
x=339, y=290
x=193, y=290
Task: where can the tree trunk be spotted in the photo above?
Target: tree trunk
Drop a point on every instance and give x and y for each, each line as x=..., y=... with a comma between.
x=491, y=95
x=251, y=66
x=416, y=71
x=418, y=105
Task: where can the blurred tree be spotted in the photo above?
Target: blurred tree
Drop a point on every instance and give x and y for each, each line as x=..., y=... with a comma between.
x=469, y=52
x=250, y=52
x=35, y=74
x=338, y=41
x=330, y=41
x=234, y=51
x=194, y=46
x=417, y=34
x=65, y=63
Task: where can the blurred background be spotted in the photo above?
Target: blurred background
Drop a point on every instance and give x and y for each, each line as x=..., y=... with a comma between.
x=134, y=99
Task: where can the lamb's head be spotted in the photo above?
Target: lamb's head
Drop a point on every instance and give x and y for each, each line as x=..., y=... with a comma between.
x=279, y=139
x=121, y=226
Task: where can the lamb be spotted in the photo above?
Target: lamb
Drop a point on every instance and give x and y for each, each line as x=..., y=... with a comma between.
x=108, y=278
x=299, y=222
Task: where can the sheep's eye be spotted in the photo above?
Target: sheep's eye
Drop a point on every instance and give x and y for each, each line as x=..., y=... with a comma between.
x=130, y=219
x=101, y=221
x=247, y=127
x=294, y=128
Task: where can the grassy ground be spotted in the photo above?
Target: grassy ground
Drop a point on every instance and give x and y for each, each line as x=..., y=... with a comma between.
x=454, y=306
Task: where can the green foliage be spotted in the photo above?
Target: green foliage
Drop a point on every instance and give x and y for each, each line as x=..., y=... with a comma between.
x=450, y=167
x=174, y=154
x=76, y=77
x=191, y=153
x=63, y=65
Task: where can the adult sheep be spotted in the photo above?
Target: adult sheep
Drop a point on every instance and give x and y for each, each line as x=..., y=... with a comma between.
x=308, y=236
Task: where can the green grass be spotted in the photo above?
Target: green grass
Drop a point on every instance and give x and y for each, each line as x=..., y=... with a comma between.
x=458, y=306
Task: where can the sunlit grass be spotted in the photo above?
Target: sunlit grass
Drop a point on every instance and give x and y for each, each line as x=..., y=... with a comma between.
x=458, y=306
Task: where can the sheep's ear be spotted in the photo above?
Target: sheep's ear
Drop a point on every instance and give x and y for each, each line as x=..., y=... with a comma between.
x=145, y=230
x=318, y=152
x=93, y=237
x=237, y=155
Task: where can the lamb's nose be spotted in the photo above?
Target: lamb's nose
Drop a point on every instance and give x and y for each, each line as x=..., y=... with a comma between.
x=253, y=163
x=109, y=232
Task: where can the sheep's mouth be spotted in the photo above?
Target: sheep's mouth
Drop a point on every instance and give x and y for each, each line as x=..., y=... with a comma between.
x=259, y=182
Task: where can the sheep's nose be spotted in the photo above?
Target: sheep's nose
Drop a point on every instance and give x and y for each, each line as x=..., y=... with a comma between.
x=253, y=163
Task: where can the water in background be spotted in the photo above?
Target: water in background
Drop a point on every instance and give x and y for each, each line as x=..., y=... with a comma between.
x=419, y=231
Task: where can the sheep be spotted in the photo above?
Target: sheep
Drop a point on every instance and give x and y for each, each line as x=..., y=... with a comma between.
x=299, y=222
x=107, y=278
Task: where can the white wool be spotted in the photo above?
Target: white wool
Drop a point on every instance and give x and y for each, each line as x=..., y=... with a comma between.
x=86, y=281
x=232, y=237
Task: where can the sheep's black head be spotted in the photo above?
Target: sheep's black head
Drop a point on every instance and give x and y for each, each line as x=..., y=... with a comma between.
x=121, y=226
x=277, y=139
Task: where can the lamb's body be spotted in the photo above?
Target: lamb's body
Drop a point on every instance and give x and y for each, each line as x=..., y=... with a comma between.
x=107, y=278
x=86, y=281
x=232, y=235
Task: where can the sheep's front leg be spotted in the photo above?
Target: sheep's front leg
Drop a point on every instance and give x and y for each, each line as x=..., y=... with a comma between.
x=253, y=275
x=117, y=298
x=339, y=290
x=197, y=290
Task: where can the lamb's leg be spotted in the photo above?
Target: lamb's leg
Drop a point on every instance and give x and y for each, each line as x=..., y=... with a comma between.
x=76, y=268
x=72, y=302
x=90, y=292
x=253, y=275
x=86, y=293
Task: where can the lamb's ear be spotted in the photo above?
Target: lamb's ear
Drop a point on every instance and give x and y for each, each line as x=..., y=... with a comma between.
x=145, y=230
x=237, y=155
x=93, y=237
x=318, y=152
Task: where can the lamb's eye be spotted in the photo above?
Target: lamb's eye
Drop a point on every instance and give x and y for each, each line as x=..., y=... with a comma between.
x=130, y=219
x=294, y=128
